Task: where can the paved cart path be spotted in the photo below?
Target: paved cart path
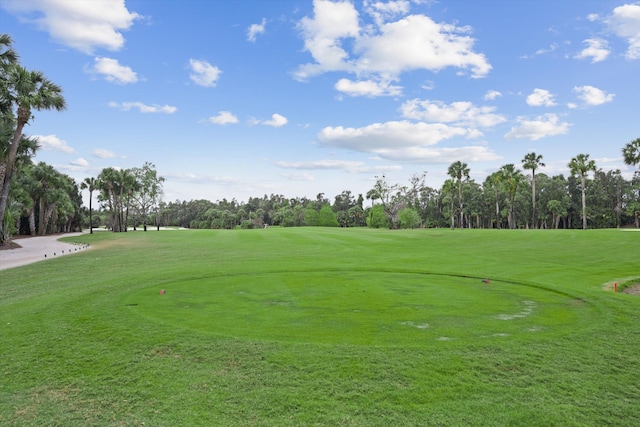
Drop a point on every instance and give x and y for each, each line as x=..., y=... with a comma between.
x=34, y=249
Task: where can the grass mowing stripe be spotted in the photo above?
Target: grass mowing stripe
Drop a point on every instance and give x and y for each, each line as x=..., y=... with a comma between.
x=76, y=352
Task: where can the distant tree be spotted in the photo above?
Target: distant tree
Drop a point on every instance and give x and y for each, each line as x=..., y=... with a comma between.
x=511, y=178
x=408, y=218
x=631, y=153
x=457, y=171
x=91, y=184
x=327, y=218
x=395, y=197
x=581, y=166
x=492, y=184
x=533, y=161
x=148, y=191
x=378, y=218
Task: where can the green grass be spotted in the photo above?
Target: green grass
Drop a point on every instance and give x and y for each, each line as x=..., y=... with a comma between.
x=312, y=326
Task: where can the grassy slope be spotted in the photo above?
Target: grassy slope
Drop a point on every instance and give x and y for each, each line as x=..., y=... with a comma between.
x=75, y=350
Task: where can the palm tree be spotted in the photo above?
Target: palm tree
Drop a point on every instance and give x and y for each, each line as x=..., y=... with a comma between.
x=494, y=181
x=631, y=152
x=533, y=161
x=581, y=165
x=512, y=178
x=26, y=91
x=457, y=171
x=449, y=187
x=8, y=58
x=91, y=184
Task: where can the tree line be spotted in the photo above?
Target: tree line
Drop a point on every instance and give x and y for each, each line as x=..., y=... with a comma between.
x=510, y=198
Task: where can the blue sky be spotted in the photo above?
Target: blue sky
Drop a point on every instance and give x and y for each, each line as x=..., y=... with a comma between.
x=252, y=97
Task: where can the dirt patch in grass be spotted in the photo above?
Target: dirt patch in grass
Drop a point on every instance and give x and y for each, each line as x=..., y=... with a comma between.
x=633, y=289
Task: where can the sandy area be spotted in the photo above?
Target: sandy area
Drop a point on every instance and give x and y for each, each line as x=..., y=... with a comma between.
x=34, y=249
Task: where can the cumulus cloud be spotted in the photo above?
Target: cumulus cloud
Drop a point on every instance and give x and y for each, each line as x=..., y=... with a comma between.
x=203, y=73
x=52, y=142
x=404, y=140
x=144, y=108
x=223, y=118
x=255, y=29
x=597, y=50
x=102, y=153
x=625, y=23
x=370, y=88
x=79, y=162
x=492, y=94
x=81, y=25
x=540, y=127
x=348, y=166
x=381, y=52
x=592, y=96
x=112, y=71
x=277, y=120
x=460, y=113
x=540, y=98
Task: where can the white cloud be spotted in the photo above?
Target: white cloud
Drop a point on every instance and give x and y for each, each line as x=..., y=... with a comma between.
x=223, y=118
x=405, y=141
x=52, y=142
x=276, y=121
x=144, y=108
x=492, y=94
x=625, y=23
x=112, y=71
x=541, y=127
x=369, y=88
x=203, y=73
x=384, y=51
x=417, y=42
x=321, y=165
x=79, y=162
x=81, y=25
x=255, y=29
x=592, y=95
x=597, y=50
x=459, y=113
x=540, y=98
x=102, y=153
x=383, y=11
x=299, y=177
x=348, y=166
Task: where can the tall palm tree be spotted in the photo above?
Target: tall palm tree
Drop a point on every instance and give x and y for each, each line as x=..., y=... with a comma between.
x=494, y=181
x=26, y=91
x=457, y=171
x=581, y=166
x=533, y=161
x=631, y=152
x=449, y=187
x=91, y=184
x=511, y=178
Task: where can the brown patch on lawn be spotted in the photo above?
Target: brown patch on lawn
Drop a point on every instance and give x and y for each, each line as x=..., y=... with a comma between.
x=631, y=289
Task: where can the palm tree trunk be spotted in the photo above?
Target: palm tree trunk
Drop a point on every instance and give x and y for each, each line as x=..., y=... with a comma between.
x=23, y=117
x=32, y=221
x=584, y=205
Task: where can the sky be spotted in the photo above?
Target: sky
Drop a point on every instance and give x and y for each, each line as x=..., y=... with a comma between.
x=238, y=99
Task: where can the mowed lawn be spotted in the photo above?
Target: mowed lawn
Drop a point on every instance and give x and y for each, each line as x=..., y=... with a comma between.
x=315, y=326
